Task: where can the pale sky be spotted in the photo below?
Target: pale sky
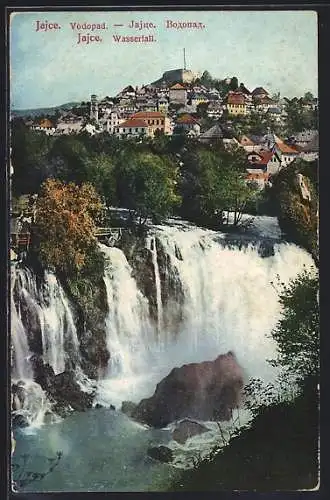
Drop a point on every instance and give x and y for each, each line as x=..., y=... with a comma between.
x=276, y=50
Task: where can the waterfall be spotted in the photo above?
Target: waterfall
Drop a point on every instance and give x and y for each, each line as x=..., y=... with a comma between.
x=230, y=302
x=40, y=314
x=151, y=245
x=49, y=307
x=128, y=325
x=212, y=295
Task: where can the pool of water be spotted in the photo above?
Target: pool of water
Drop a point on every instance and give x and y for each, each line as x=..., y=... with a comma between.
x=98, y=450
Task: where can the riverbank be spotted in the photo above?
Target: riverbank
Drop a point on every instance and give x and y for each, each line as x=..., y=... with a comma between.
x=278, y=452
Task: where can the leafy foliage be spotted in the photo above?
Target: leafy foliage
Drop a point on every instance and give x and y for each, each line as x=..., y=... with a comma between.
x=65, y=224
x=297, y=332
x=299, y=118
x=213, y=181
x=147, y=185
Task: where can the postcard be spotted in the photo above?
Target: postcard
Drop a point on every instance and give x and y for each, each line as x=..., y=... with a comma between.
x=164, y=304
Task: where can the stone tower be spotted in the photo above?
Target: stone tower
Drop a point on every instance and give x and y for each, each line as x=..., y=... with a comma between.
x=94, y=108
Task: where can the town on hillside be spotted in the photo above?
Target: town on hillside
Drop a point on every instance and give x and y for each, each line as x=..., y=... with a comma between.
x=271, y=131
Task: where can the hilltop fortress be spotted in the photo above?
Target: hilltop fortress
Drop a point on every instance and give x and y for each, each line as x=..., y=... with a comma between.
x=176, y=76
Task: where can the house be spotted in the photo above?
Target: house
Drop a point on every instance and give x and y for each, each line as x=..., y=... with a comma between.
x=285, y=152
x=156, y=120
x=215, y=109
x=212, y=134
x=259, y=93
x=178, y=94
x=248, y=144
x=274, y=114
x=198, y=98
x=189, y=124
x=263, y=104
x=44, y=125
x=309, y=104
x=245, y=91
x=231, y=143
x=258, y=177
x=162, y=105
x=305, y=137
x=236, y=104
x=112, y=122
x=66, y=126
x=133, y=127
x=310, y=151
x=267, y=161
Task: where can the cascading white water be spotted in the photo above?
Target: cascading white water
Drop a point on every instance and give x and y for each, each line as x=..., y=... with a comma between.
x=128, y=326
x=151, y=245
x=21, y=368
x=51, y=311
x=229, y=303
x=51, y=308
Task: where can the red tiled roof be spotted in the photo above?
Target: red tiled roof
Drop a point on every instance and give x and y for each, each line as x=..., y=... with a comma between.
x=186, y=119
x=235, y=98
x=133, y=122
x=45, y=123
x=177, y=86
x=284, y=148
x=148, y=114
x=246, y=141
x=263, y=157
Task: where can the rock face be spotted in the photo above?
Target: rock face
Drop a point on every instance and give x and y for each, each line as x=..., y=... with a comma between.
x=62, y=389
x=187, y=429
x=296, y=191
x=205, y=391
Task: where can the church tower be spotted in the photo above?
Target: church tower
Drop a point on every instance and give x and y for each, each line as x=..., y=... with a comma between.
x=94, y=108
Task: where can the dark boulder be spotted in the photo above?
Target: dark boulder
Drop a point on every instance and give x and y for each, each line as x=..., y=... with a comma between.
x=205, y=391
x=128, y=407
x=160, y=453
x=66, y=390
x=43, y=372
x=63, y=390
x=18, y=395
x=18, y=420
x=187, y=429
x=95, y=355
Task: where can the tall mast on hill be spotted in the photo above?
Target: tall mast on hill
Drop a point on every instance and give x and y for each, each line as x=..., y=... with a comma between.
x=184, y=59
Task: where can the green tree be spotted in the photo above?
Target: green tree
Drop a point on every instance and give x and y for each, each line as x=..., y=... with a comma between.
x=65, y=225
x=101, y=173
x=70, y=155
x=297, y=332
x=214, y=182
x=29, y=155
x=233, y=83
x=206, y=79
x=298, y=118
x=146, y=185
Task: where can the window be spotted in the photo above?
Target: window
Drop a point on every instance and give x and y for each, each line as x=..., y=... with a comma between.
x=136, y=129
x=130, y=130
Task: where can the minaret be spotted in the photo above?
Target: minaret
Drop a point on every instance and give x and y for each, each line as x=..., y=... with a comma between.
x=94, y=109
